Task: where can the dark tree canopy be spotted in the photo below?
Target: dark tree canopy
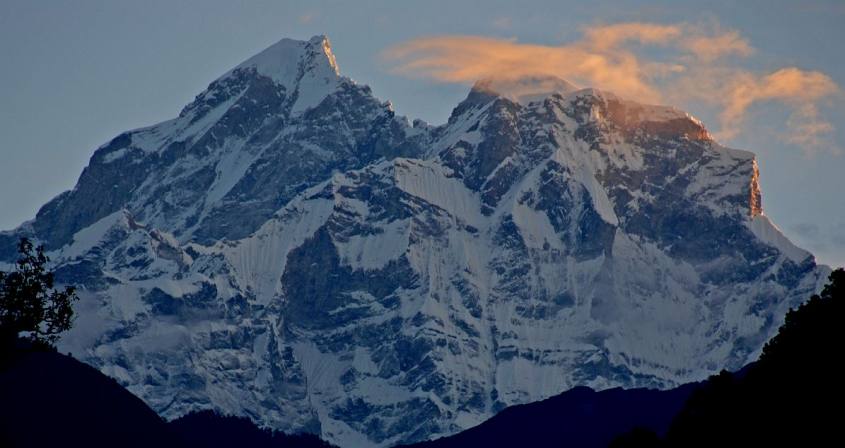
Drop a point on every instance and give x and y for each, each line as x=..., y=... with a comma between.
x=29, y=304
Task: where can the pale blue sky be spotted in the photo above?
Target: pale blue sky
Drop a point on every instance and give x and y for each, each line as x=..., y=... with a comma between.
x=74, y=74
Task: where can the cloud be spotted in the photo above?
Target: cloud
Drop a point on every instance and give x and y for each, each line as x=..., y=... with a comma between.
x=609, y=37
x=709, y=48
x=469, y=58
x=691, y=64
x=808, y=130
x=800, y=90
x=307, y=18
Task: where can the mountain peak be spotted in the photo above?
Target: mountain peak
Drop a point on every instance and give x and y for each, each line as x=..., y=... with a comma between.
x=307, y=67
x=521, y=90
x=288, y=60
x=322, y=43
x=524, y=89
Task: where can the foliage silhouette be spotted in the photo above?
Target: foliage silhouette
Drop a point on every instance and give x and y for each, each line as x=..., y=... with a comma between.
x=28, y=302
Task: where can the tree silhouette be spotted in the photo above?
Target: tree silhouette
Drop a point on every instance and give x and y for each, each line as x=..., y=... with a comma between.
x=29, y=305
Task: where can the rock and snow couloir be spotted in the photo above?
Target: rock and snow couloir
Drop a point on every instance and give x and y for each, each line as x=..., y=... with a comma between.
x=290, y=250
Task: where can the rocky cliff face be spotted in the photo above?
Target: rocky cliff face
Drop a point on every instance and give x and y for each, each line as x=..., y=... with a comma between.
x=290, y=250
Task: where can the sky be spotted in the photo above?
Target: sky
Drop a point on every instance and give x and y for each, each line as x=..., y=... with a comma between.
x=765, y=76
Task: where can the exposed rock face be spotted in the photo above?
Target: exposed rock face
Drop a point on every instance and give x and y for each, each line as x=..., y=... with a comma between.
x=290, y=250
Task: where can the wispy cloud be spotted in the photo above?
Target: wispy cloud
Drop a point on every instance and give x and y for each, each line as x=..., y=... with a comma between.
x=708, y=47
x=611, y=37
x=643, y=61
x=469, y=58
x=799, y=89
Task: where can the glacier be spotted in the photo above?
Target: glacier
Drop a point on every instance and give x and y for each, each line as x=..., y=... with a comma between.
x=290, y=250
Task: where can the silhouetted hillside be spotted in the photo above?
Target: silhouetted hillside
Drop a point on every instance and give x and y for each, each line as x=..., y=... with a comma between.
x=580, y=417
x=52, y=400
x=208, y=429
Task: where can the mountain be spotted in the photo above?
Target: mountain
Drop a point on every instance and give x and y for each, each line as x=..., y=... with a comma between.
x=290, y=250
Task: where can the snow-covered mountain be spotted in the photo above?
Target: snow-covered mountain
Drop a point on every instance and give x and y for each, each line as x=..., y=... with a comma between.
x=290, y=250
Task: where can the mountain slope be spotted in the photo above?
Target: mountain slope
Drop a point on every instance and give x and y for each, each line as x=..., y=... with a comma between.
x=289, y=250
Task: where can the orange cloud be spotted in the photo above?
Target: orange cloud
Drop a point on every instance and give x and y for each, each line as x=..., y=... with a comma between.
x=801, y=90
x=606, y=57
x=469, y=58
x=612, y=36
x=808, y=128
x=708, y=48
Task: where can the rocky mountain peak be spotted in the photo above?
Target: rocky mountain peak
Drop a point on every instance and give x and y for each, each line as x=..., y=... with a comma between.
x=518, y=91
x=286, y=60
x=308, y=68
x=525, y=89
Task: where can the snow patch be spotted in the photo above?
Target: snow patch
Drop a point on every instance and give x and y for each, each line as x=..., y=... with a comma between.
x=89, y=237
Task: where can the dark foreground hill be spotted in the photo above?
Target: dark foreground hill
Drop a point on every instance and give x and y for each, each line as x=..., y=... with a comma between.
x=579, y=417
x=48, y=399
x=51, y=400
x=208, y=429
